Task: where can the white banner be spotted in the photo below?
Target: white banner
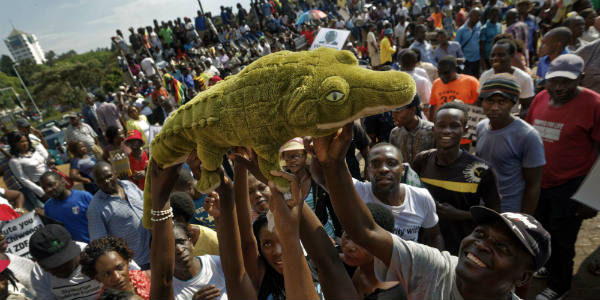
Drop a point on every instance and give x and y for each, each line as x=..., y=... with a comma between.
x=475, y=116
x=330, y=38
x=18, y=231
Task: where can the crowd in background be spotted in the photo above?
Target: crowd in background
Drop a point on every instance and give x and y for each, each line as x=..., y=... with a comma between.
x=413, y=203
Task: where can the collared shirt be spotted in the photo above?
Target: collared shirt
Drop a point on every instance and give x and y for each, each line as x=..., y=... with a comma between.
x=468, y=38
x=488, y=32
x=453, y=49
x=83, y=133
x=414, y=141
x=110, y=215
x=426, y=51
x=544, y=64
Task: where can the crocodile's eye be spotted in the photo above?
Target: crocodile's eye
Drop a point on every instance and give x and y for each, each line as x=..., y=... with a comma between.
x=335, y=96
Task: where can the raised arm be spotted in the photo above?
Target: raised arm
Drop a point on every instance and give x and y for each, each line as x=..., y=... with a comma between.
x=287, y=214
x=354, y=215
x=222, y=207
x=243, y=216
x=162, y=251
x=335, y=281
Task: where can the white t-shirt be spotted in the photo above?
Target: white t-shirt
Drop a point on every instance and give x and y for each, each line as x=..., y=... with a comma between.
x=211, y=273
x=522, y=78
x=21, y=267
x=417, y=211
x=146, y=65
x=76, y=287
x=423, y=86
x=425, y=272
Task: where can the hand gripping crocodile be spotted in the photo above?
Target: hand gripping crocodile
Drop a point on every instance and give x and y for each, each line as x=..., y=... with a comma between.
x=278, y=97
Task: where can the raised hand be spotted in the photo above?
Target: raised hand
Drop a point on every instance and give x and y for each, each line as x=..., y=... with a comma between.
x=332, y=149
x=247, y=158
x=287, y=213
x=212, y=204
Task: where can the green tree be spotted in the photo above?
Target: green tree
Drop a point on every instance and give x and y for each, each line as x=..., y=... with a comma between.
x=6, y=65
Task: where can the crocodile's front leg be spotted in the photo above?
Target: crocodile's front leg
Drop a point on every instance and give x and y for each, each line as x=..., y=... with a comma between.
x=268, y=160
x=211, y=159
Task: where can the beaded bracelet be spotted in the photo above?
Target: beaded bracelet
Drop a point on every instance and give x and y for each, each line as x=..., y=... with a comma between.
x=162, y=219
x=160, y=213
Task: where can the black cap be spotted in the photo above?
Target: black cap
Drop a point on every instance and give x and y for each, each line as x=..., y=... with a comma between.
x=51, y=246
x=525, y=227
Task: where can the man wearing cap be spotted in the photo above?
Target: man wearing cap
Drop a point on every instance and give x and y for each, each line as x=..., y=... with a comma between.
x=34, y=135
x=78, y=131
x=386, y=50
x=116, y=210
x=510, y=145
x=138, y=158
x=567, y=117
x=57, y=273
x=501, y=62
x=422, y=45
x=501, y=253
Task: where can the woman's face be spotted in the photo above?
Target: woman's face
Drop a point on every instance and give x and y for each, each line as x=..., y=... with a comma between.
x=133, y=112
x=295, y=160
x=117, y=140
x=81, y=148
x=23, y=145
x=271, y=248
x=354, y=255
x=113, y=271
x=259, y=194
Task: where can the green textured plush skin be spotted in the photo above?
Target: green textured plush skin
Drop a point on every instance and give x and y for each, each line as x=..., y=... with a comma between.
x=278, y=97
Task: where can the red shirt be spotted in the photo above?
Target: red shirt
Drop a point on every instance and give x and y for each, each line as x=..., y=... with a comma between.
x=309, y=35
x=461, y=17
x=569, y=132
x=138, y=165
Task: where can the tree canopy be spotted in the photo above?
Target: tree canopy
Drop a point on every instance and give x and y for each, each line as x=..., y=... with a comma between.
x=63, y=80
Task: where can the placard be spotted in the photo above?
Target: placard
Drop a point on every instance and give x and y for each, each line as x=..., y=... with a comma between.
x=18, y=231
x=589, y=190
x=330, y=38
x=475, y=116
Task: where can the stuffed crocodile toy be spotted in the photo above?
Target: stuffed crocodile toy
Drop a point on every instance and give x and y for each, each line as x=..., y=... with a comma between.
x=278, y=97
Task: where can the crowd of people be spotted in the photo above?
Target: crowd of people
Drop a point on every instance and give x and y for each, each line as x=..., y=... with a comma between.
x=414, y=203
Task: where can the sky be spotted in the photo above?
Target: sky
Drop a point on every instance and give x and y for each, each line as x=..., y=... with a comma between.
x=83, y=25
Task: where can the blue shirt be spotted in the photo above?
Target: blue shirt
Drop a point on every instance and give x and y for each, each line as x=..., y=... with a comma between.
x=201, y=217
x=453, y=49
x=72, y=213
x=200, y=23
x=110, y=215
x=544, y=64
x=533, y=26
x=509, y=150
x=425, y=49
x=469, y=41
x=487, y=34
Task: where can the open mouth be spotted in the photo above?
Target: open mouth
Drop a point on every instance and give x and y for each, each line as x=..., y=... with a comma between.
x=367, y=111
x=474, y=259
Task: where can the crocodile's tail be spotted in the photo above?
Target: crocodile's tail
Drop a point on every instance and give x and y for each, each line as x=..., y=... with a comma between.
x=147, y=197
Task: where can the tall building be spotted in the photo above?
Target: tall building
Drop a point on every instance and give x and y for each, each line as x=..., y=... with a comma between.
x=24, y=46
